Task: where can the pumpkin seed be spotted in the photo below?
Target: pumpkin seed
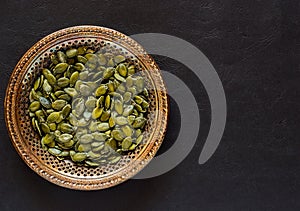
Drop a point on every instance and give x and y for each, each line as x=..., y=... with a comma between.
x=97, y=112
x=101, y=90
x=102, y=127
x=71, y=53
x=60, y=68
x=61, y=57
x=59, y=104
x=79, y=157
x=34, y=106
x=54, y=151
x=126, y=143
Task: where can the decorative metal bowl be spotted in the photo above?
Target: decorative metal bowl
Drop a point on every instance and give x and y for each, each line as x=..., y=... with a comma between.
x=27, y=142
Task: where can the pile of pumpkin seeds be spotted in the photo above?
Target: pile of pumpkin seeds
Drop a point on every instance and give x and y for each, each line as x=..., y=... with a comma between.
x=89, y=106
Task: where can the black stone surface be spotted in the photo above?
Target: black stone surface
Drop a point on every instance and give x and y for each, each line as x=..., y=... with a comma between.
x=255, y=48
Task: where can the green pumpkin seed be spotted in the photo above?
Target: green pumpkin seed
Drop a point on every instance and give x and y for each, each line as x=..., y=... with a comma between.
x=92, y=164
x=79, y=66
x=111, y=143
x=46, y=86
x=105, y=116
x=120, y=120
x=48, y=138
x=86, y=138
x=98, y=148
x=138, y=99
x=131, y=70
x=111, y=122
x=101, y=90
x=34, y=106
x=71, y=91
x=90, y=103
x=81, y=50
x=121, y=68
x=117, y=134
x=74, y=77
x=119, y=106
x=59, y=104
x=71, y=53
x=65, y=97
x=85, y=90
x=132, y=147
x=37, y=83
x=139, y=122
x=102, y=127
x=97, y=112
x=100, y=101
x=111, y=86
x=53, y=117
x=81, y=59
x=54, y=59
x=52, y=126
x=63, y=82
x=61, y=57
x=107, y=102
x=45, y=128
x=126, y=143
x=54, y=151
x=66, y=111
x=64, y=138
x=66, y=128
x=128, y=110
x=100, y=136
x=60, y=68
x=108, y=72
x=93, y=155
x=139, y=139
x=79, y=157
x=127, y=130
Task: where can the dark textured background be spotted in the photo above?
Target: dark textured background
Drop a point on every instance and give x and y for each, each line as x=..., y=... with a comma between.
x=254, y=46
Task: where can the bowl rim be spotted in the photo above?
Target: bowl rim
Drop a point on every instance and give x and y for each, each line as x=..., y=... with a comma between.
x=73, y=182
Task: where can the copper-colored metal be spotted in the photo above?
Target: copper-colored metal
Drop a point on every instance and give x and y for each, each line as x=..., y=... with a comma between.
x=27, y=142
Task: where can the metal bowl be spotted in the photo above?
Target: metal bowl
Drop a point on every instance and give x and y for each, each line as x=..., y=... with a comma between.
x=27, y=142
